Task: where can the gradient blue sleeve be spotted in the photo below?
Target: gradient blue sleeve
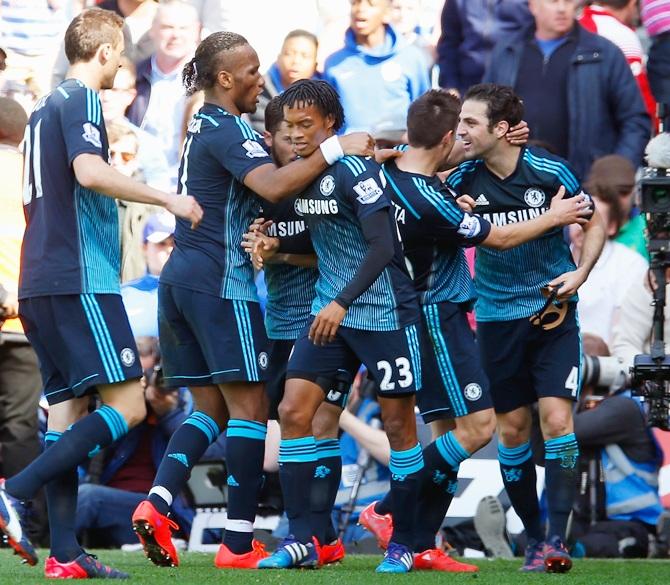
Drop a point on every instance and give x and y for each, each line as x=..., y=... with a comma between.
x=83, y=124
x=238, y=148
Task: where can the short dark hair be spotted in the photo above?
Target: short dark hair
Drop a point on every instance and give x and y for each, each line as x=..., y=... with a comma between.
x=274, y=115
x=300, y=33
x=317, y=93
x=502, y=104
x=618, y=4
x=431, y=116
x=89, y=30
x=200, y=72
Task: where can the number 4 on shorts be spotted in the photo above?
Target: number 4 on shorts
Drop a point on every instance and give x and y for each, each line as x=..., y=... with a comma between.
x=572, y=381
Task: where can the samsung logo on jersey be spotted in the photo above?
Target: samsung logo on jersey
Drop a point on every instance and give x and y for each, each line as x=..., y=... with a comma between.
x=283, y=229
x=514, y=216
x=315, y=207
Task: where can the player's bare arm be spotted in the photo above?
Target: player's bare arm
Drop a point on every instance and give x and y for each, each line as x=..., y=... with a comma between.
x=94, y=173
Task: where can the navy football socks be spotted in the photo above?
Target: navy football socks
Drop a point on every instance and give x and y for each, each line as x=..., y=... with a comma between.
x=61, y=494
x=297, y=466
x=187, y=445
x=406, y=467
x=325, y=485
x=245, y=450
x=520, y=479
x=86, y=437
x=560, y=464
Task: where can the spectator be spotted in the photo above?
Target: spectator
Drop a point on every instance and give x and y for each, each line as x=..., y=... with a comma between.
x=20, y=382
x=151, y=159
x=29, y=32
x=618, y=473
x=140, y=296
x=656, y=19
x=633, y=327
x=129, y=465
x=296, y=60
x=376, y=73
x=579, y=93
x=470, y=29
x=160, y=102
x=124, y=149
x=614, y=19
x=138, y=16
x=616, y=174
x=616, y=269
x=406, y=18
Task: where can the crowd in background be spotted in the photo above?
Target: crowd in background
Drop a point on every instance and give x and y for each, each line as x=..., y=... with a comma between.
x=590, y=93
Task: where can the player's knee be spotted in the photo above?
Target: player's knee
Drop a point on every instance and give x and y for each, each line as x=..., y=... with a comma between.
x=481, y=430
x=326, y=423
x=512, y=436
x=401, y=432
x=294, y=418
x=556, y=424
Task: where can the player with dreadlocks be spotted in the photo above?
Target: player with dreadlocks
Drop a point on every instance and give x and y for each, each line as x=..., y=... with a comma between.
x=211, y=327
x=365, y=311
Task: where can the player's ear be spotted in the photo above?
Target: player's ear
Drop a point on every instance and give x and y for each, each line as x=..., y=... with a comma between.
x=330, y=121
x=104, y=53
x=225, y=79
x=448, y=138
x=267, y=138
x=501, y=128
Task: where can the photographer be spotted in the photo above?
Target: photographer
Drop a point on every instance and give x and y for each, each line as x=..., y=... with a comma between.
x=618, y=266
x=618, y=505
x=20, y=382
x=126, y=469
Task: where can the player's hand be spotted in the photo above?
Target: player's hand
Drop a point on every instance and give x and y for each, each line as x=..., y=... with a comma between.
x=186, y=207
x=575, y=209
x=260, y=224
x=518, y=135
x=569, y=283
x=383, y=155
x=262, y=250
x=357, y=144
x=326, y=323
x=10, y=306
x=161, y=402
x=466, y=203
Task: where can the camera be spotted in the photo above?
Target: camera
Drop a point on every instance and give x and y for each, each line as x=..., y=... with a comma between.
x=651, y=372
x=605, y=372
x=154, y=377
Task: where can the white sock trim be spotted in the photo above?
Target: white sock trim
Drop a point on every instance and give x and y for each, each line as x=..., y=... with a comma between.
x=239, y=525
x=162, y=493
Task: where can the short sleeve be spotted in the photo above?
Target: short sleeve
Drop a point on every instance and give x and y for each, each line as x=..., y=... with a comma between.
x=365, y=185
x=238, y=148
x=83, y=125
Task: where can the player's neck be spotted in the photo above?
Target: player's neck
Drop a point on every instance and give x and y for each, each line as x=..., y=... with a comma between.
x=503, y=159
x=86, y=74
x=420, y=161
x=223, y=101
x=374, y=39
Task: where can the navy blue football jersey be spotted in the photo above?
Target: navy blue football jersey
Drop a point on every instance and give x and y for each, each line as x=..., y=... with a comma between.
x=71, y=243
x=333, y=206
x=433, y=229
x=508, y=281
x=220, y=149
x=290, y=289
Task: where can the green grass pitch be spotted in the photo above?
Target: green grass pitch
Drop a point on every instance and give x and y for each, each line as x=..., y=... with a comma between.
x=198, y=569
